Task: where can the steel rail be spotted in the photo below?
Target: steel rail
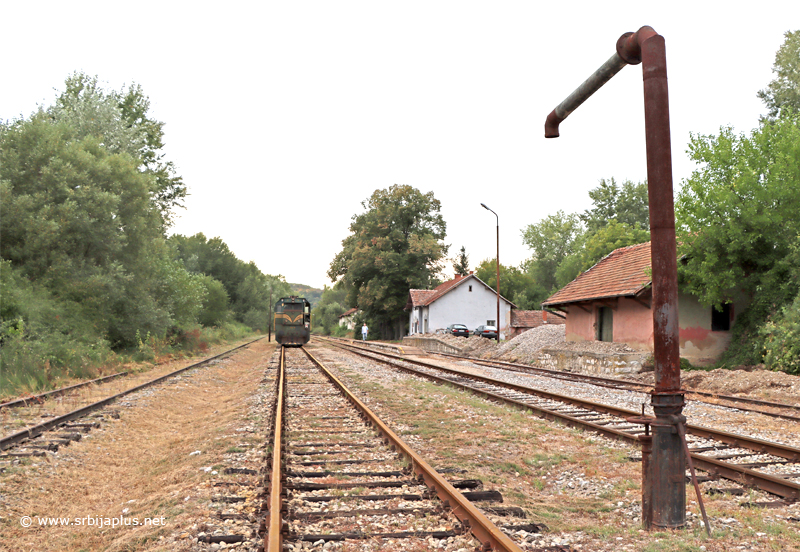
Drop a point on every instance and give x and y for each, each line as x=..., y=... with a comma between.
x=757, y=445
x=769, y=483
x=35, y=431
x=617, y=384
x=479, y=525
x=55, y=392
x=273, y=540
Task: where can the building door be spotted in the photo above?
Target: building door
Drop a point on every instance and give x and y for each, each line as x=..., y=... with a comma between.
x=605, y=324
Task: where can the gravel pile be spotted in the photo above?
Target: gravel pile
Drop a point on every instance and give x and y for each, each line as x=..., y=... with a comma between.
x=526, y=346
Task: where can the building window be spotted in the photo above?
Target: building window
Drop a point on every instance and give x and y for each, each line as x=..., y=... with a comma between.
x=721, y=319
x=605, y=324
x=470, y=288
x=490, y=322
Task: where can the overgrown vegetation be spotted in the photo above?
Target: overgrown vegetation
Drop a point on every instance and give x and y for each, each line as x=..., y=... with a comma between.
x=87, y=272
x=739, y=228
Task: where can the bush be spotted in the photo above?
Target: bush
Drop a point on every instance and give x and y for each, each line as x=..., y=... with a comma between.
x=782, y=339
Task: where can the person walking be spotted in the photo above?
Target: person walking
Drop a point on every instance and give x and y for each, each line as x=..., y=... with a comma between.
x=364, y=331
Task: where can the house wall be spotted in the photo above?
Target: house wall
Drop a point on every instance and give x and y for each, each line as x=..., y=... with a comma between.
x=699, y=344
x=580, y=324
x=461, y=306
x=418, y=314
x=471, y=308
x=633, y=325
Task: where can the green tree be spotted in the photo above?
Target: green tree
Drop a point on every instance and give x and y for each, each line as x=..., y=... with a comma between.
x=552, y=240
x=783, y=92
x=394, y=246
x=596, y=246
x=516, y=285
x=121, y=122
x=461, y=263
x=627, y=204
x=737, y=224
x=80, y=220
x=325, y=316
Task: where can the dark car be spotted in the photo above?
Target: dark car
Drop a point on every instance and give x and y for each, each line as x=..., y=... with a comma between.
x=458, y=329
x=486, y=331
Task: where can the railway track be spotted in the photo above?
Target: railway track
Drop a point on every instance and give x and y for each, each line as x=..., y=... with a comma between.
x=37, y=436
x=339, y=474
x=779, y=410
x=748, y=461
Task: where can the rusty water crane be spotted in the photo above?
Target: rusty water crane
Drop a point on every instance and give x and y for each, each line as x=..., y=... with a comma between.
x=663, y=489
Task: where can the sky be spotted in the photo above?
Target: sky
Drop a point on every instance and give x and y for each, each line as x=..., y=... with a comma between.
x=283, y=117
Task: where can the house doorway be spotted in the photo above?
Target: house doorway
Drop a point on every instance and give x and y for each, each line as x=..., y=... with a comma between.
x=605, y=324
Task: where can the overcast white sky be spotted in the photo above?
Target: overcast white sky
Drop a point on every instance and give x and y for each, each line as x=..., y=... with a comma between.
x=282, y=117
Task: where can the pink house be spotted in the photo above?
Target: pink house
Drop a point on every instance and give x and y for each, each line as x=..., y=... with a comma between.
x=611, y=302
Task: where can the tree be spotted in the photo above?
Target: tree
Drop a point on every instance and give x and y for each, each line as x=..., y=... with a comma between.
x=325, y=317
x=516, y=285
x=552, y=240
x=461, y=263
x=247, y=289
x=627, y=204
x=783, y=92
x=596, y=246
x=394, y=246
x=79, y=220
x=737, y=224
x=120, y=121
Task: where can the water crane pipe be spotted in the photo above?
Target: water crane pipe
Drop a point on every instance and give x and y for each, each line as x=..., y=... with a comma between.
x=664, y=484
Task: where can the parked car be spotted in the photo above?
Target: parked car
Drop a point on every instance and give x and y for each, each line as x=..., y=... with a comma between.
x=486, y=331
x=458, y=329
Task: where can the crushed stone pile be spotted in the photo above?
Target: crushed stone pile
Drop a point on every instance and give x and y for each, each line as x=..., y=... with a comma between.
x=526, y=346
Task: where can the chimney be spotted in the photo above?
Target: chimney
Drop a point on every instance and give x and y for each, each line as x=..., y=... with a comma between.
x=544, y=316
x=471, y=272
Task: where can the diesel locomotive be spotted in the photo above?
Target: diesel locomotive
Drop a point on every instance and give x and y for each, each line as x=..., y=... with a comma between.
x=292, y=321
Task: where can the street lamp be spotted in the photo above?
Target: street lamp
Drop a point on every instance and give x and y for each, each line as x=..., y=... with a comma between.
x=498, y=271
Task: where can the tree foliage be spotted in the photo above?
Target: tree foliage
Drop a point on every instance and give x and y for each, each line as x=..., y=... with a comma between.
x=394, y=246
x=738, y=225
x=325, y=317
x=782, y=94
x=552, y=240
x=250, y=292
x=627, y=204
x=516, y=285
x=461, y=262
x=86, y=197
x=120, y=121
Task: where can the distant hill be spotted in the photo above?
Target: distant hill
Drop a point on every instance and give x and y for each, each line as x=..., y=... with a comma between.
x=312, y=294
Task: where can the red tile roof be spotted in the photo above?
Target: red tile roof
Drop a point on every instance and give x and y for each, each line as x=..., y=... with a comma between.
x=348, y=313
x=623, y=272
x=532, y=319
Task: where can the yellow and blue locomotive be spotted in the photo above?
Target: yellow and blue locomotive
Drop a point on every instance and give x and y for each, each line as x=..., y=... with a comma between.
x=292, y=321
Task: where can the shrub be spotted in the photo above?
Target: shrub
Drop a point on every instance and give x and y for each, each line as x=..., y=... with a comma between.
x=782, y=339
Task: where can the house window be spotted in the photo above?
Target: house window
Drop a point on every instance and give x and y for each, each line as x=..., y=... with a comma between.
x=470, y=288
x=605, y=324
x=490, y=322
x=721, y=320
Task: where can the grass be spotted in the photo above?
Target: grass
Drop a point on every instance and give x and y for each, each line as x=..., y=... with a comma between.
x=145, y=457
x=524, y=457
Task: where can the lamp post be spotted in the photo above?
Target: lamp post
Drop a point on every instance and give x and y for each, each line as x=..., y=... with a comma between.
x=498, y=271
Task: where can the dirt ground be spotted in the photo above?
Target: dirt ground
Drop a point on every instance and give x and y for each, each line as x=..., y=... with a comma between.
x=153, y=463
x=751, y=381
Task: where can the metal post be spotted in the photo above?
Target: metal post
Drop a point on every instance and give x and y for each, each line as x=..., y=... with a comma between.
x=664, y=486
x=498, y=271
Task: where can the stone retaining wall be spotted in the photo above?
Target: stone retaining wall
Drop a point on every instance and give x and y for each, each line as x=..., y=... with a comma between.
x=431, y=344
x=596, y=364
